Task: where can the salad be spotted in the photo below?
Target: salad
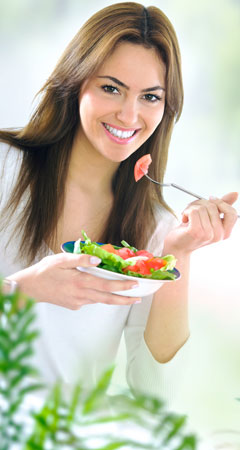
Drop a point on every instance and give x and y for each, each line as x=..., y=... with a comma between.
x=128, y=260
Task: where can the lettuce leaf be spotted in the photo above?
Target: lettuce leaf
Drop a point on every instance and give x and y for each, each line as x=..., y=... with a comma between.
x=110, y=261
x=107, y=258
x=171, y=262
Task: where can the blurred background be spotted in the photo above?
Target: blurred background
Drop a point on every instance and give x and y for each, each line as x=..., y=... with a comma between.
x=204, y=157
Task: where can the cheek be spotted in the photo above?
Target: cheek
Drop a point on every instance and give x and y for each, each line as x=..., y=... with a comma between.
x=92, y=112
x=86, y=107
x=155, y=119
x=88, y=114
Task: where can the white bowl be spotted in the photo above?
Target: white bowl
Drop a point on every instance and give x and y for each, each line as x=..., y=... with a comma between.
x=145, y=285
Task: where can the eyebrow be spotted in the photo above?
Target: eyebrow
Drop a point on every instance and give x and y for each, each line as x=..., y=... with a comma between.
x=120, y=83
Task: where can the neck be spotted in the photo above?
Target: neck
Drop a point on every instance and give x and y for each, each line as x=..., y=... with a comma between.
x=88, y=169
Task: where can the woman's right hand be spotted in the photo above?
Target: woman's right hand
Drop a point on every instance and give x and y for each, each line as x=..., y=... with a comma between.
x=56, y=280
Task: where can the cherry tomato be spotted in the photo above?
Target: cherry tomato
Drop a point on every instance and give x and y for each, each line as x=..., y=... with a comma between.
x=125, y=252
x=143, y=253
x=139, y=267
x=141, y=166
x=156, y=263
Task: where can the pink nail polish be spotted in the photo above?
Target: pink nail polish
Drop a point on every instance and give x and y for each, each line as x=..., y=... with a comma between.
x=95, y=260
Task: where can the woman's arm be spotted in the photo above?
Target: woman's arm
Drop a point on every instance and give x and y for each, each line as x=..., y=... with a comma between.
x=167, y=327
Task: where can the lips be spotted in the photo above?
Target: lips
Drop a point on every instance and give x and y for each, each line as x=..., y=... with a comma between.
x=120, y=135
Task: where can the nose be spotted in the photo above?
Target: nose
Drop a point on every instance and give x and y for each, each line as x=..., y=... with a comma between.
x=128, y=112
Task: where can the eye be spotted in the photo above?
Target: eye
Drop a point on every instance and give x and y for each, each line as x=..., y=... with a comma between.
x=152, y=98
x=110, y=89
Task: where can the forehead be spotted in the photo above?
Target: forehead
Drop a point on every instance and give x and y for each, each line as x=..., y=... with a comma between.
x=134, y=65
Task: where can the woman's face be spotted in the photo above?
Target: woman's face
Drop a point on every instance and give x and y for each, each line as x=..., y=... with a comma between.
x=123, y=103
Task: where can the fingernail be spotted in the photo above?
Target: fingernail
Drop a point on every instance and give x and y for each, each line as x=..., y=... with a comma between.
x=95, y=260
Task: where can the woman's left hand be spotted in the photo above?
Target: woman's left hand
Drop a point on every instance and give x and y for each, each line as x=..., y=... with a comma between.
x=203, y=222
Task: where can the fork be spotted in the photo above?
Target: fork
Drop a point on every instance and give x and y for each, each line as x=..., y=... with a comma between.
x=177, y=187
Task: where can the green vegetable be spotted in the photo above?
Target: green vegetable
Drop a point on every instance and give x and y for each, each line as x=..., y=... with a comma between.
x=107, y=258
x=125, y=244
x=156, y=275
x=171, y=262
x=110, y=261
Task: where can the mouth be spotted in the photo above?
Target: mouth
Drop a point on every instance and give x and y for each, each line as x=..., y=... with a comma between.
x=122, y=134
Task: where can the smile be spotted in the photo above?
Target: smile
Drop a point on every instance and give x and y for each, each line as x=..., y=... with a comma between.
x=119, y=133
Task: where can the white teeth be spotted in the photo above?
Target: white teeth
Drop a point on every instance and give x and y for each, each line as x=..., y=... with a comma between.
x=118, y=133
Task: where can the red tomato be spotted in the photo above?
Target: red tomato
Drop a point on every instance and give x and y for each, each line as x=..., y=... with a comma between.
x=143, y=253
x=139, y=267
x=141, y=166
x=109, y=248
x=156, y=263
x=125, y=252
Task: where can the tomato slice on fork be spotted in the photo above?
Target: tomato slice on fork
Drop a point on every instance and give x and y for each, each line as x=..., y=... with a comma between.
x=141, y=166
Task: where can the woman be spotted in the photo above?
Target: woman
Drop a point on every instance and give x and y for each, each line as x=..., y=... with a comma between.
x=113, y=97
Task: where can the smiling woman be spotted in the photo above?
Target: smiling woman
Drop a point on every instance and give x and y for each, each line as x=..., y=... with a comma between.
x=113, y=97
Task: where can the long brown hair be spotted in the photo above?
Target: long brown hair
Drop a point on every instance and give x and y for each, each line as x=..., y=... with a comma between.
x=46, y=141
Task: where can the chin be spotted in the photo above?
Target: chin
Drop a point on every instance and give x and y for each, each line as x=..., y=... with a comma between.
x=118, y=158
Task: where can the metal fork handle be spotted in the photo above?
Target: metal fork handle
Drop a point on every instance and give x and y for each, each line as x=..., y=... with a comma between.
x=187, y=192
x=176, y=186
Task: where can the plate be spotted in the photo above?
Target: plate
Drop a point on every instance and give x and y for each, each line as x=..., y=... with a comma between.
x=145, y=285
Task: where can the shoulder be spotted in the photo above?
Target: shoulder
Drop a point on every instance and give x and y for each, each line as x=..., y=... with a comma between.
x=165, y=222
x=165, y=219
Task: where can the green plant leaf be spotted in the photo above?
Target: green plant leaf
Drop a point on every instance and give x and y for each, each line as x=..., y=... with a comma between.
x=114, y=418
x=114, y=445
x=188, y=443
x=74, y=403
x=98, y=392
x=176, y=422
x=31, y=388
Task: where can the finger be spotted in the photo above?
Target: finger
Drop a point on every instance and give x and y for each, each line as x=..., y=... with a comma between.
x=215, y=221
x=230, y=198
x=75, y=304
x=190, y=213
x=191, y=219
x=229, y=215
x=86, y=280
x=211, y=223
x=95, y=296
x=71, y=260
x=199, y=224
